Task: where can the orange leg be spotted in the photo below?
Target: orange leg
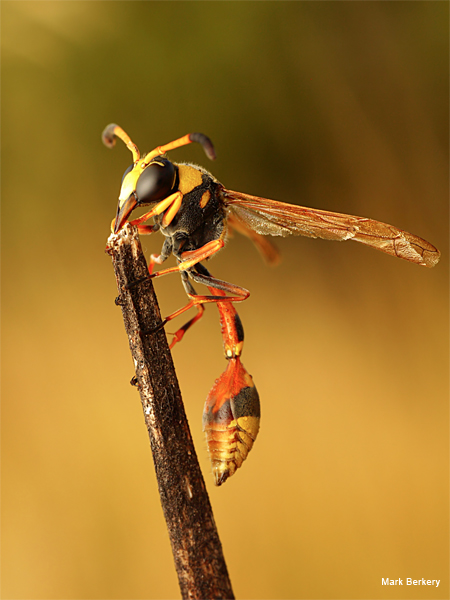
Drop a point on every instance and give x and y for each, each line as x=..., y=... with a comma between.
x=191, y=258
x=197, y=300
x=172, y=202
x=220, y=287
x=155, y=259
x=179, y=334
x=147, y=229
x=173, y=199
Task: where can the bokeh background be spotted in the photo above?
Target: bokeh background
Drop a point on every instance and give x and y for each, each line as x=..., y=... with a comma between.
x=340, y=106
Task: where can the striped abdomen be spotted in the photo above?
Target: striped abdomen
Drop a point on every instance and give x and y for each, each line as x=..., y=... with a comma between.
x=231, y=420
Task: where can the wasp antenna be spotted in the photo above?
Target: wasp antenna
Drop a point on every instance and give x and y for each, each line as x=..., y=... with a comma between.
x=207, y=144
x=183, y=141
x=108, y=135
x=112, y=131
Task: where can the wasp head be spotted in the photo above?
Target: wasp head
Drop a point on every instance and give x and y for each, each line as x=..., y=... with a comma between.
x=152, y=178
x=144, y=184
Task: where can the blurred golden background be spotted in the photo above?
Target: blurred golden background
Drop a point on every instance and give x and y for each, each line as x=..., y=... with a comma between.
x=339, y=106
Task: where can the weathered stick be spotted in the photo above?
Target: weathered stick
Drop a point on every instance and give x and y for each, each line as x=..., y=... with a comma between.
x=196, y=547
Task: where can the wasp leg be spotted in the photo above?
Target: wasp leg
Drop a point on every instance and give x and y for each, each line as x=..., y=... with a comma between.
x=178, y=335
x=218, y=284
x=166, y=251
x=192, y=257
x=142, y=229
x=175, y=198
x=148, y=229
x=172, y=211
x=190, y=262
x=198, y=301
x=231, y=325
x=133, y=284
x=240, y=294
x=154, y=259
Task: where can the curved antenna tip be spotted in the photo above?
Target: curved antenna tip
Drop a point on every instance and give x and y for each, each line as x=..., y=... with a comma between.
x=207, y=144
x=112, y=131
x=109, y=136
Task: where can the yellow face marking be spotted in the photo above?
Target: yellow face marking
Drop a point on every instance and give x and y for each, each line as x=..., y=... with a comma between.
x=190, y=178
x=130, y=180
x=129, y=184
x=205, y=199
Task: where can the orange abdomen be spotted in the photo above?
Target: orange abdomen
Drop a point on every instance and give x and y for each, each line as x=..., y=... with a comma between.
x=231, y=420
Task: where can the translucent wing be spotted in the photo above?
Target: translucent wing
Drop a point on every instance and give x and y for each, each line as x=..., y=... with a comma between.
x=269, y=217
x=264, y=246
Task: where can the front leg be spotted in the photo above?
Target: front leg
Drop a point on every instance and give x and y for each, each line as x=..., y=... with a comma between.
x=174, y=199
x=190, y=258
x=166, y=251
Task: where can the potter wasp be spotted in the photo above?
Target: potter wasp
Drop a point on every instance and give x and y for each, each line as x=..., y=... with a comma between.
x=196, y=213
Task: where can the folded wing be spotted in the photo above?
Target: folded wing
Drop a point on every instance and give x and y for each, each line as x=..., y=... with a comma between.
x=269, y=217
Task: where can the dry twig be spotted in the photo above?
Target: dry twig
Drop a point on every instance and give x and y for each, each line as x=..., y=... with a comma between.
x=196, y=547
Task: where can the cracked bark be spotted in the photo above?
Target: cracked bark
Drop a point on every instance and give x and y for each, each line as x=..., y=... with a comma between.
x=196, y=547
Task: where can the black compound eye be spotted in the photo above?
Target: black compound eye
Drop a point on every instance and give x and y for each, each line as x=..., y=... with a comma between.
x=156, y=181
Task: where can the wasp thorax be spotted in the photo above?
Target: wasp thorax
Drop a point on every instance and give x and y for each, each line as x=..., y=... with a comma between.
x=156, y=181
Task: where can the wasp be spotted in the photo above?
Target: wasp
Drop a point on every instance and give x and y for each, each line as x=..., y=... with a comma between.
x=196, y=214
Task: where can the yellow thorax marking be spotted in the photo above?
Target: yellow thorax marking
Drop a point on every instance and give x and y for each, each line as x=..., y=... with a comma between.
x=205, y=199
x=190, y=178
